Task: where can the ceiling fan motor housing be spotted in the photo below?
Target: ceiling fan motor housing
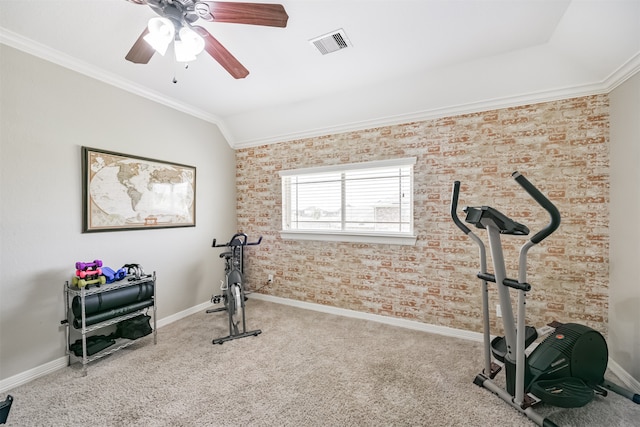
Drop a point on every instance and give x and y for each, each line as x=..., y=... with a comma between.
x=178, y=11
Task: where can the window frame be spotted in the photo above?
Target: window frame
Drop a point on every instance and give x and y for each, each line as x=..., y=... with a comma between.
x=398, y=238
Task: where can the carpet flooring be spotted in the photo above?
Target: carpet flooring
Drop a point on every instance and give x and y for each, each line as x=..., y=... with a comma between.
x=307, y=368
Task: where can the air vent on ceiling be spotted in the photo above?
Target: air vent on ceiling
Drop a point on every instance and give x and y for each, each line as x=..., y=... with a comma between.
x=331, y=42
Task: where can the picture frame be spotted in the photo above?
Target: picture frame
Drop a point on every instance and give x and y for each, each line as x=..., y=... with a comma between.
x=125, y=192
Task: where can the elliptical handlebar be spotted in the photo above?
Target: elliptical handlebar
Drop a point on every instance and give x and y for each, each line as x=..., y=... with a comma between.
x=238, y=239
x=454, y=208
x=542, y=201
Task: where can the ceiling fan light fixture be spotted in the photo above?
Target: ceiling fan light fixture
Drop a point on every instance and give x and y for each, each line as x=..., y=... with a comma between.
x=176, y=15
x=183, y=54
x=188, y=45
x=161, y=33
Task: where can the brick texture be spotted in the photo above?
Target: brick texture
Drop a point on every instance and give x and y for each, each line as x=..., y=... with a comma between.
x=560, y=146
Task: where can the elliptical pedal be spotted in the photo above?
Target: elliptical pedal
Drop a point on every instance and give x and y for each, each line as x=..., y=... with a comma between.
x=499, y=344
x=568, y=392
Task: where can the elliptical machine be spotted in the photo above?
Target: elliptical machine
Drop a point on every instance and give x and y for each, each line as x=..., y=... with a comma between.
x=233, y=293
x=567, y=368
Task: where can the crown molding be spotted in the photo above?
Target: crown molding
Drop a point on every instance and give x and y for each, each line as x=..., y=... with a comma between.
x=619, y=76
x=623, y=73
x=616, y=78
x=431, y=114
x=41, y=51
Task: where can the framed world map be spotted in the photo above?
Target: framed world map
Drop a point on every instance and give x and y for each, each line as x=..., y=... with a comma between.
x=124, y=192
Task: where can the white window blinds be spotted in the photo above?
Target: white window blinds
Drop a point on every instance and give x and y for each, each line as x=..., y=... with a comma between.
x=362, y=198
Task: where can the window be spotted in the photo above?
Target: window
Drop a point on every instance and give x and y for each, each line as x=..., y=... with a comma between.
x=361, y=202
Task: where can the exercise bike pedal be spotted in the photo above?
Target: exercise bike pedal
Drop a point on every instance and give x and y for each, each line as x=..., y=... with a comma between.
x=215, y=299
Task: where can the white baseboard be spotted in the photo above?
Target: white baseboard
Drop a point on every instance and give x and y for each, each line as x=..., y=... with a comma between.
x=62, y=362
x=627, y=380
x=184, y=313
x=393, y=321
x=32, y=374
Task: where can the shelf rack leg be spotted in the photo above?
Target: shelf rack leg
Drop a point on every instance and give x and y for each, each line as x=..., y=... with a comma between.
x=67, y=332
x=84, y=332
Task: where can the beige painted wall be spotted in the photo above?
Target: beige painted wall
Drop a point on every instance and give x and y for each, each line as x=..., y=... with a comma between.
x=624, y=299
x=47, y=114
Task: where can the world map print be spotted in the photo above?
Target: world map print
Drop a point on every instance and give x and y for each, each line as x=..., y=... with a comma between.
x=126, y=192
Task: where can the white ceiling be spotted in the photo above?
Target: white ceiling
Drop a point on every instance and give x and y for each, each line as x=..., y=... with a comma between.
x=409, y=60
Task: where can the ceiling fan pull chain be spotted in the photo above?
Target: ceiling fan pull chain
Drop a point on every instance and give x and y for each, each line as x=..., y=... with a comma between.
x=175, y=72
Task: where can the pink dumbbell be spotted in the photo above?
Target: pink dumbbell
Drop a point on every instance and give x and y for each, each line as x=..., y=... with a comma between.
x=84, y=273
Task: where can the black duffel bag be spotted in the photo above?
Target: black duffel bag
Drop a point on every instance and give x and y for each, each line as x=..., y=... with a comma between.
x=95, y=343
x=134, y=328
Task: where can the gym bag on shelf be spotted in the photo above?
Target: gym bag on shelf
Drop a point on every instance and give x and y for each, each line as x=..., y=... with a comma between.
x=95, y=343
x=134, y=328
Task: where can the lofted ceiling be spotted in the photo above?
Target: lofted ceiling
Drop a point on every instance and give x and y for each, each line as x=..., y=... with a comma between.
x=405, y=60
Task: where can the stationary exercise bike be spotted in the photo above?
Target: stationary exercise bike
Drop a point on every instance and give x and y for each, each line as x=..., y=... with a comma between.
x=567, y=368
x=233, y=294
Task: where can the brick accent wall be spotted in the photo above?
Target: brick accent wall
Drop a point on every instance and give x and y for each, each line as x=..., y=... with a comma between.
x=560, y=146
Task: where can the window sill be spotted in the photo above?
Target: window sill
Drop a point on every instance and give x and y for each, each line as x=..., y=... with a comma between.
x=353, y=237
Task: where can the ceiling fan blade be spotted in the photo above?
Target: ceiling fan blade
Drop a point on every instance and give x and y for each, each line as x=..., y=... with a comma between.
x=221, y=54
x=141, y=52
x=271, y=15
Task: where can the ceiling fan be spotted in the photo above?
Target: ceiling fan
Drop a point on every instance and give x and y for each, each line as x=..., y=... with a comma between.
x=175, y=24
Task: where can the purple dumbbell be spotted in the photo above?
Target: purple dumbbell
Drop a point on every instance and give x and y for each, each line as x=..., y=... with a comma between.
x=84, y=265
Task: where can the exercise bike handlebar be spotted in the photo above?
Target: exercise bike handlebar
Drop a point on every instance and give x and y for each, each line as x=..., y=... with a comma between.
x=542, y=201
x=454, y=208
x=238, y=239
